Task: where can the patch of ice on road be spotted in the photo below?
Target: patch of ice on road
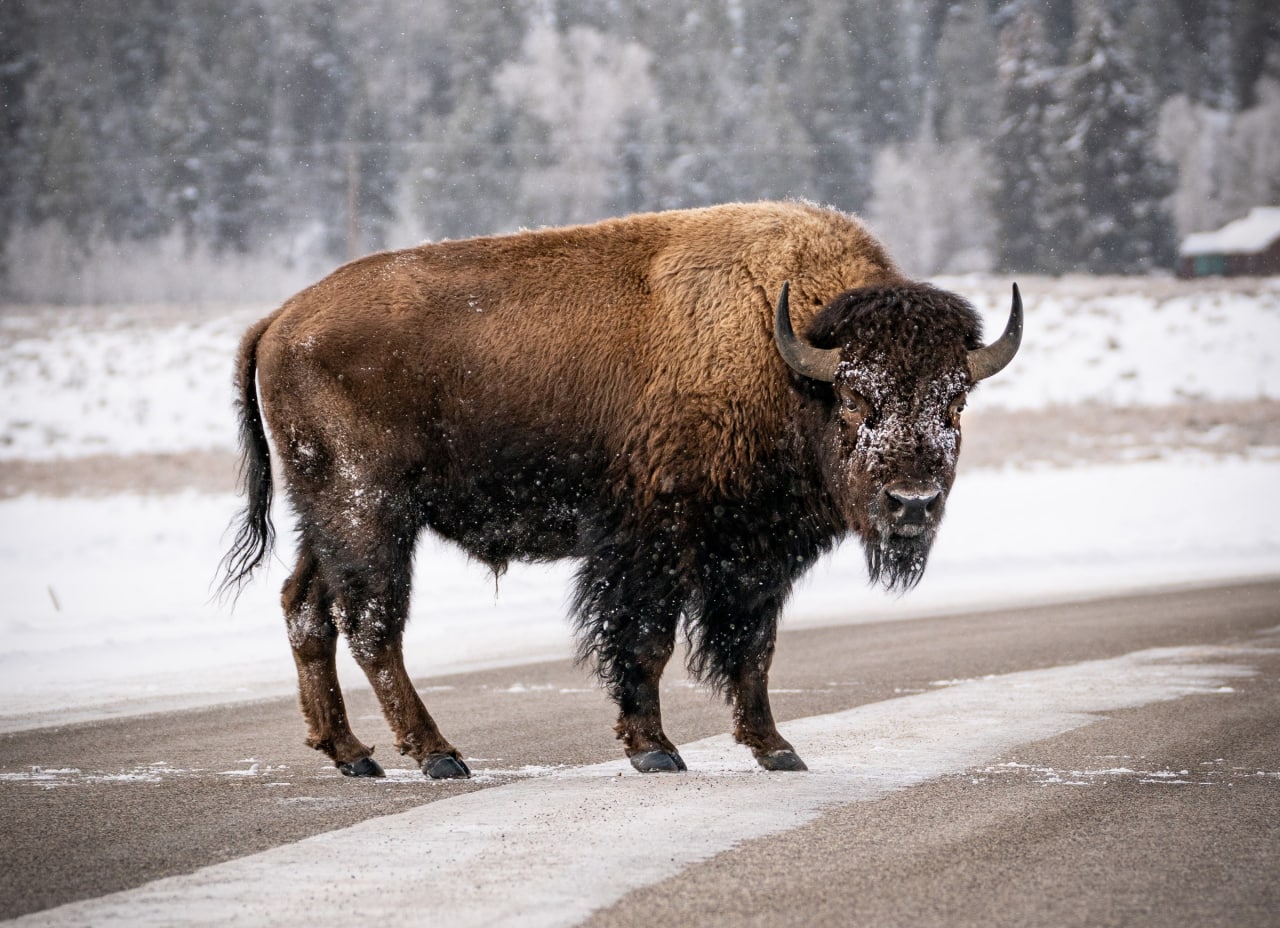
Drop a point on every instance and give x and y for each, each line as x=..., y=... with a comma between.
x=55, y=777
x=1205, y=773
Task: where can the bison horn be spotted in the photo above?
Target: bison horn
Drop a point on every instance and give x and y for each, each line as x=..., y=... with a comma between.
x=991, y=359
x=803, y=358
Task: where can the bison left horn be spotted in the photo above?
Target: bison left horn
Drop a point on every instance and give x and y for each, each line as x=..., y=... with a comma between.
x=993, y=358
x=803, y=358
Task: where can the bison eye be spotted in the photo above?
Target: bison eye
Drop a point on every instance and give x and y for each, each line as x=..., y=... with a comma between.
x=855, y=408
x=954, y=409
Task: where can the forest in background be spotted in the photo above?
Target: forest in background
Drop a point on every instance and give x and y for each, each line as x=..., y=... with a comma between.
x=175, y=150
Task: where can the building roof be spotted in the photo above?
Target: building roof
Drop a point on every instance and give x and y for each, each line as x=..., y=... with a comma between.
x=1247, y=236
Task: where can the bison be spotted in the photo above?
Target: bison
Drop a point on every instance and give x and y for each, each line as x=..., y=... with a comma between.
x=630, y=394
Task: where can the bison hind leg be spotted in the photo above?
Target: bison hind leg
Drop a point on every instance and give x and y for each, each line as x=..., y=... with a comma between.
x=313, y=637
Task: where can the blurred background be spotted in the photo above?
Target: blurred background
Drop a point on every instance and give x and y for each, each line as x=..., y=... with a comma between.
x=169, y=150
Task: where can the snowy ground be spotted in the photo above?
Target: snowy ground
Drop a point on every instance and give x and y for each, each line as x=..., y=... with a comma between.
x=108, y=605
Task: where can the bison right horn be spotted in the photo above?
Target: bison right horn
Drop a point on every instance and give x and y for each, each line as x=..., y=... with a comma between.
x=801, y=357
x=991, y=359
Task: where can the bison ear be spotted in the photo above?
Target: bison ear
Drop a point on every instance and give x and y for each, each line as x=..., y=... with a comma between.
x=993, y=358
x=801, y=357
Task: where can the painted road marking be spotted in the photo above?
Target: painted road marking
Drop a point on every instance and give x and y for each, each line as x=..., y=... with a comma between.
x=550, y=850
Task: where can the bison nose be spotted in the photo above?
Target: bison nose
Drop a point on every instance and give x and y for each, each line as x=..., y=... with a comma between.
x=910, y=510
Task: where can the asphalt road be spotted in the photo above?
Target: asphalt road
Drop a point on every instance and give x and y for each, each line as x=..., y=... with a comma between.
x=1105, y=783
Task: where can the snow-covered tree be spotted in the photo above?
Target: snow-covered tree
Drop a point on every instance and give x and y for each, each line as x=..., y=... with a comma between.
x=1155, y=31
x=467, y=182
x=211, y=118
x=1227, y=162
x=305, y=129
x=776, y=156
x=827, y=96
x=1105, y=209
x=1020, y=149
x=695, y=44
x=965, y=99
x=932, y=205
x=579, y=94
x=1217, y=87
x=17, y=66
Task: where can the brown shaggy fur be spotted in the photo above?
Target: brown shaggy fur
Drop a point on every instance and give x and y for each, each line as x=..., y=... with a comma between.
x=611, y=393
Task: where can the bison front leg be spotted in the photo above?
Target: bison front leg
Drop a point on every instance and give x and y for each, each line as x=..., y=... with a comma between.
x=753, y=723
x=734, y=651
x=627, y=609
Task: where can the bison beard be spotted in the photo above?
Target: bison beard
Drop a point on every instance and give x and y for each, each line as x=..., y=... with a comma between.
x=614, y=394
x=897, y=563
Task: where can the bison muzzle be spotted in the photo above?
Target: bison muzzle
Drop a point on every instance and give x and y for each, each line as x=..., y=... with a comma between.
x=631, y=394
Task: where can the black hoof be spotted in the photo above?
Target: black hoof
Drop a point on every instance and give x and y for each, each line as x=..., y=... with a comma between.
x=781, y=760
x=445, y=767
x=658, y=762
x=364, y=767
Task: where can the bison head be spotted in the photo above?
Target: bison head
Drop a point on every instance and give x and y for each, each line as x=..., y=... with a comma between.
x=900, y=361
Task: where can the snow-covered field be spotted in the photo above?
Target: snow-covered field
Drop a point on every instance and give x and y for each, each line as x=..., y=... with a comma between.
x=108, y=604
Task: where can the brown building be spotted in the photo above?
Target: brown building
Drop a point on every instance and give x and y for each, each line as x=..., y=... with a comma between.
x=1244, y=247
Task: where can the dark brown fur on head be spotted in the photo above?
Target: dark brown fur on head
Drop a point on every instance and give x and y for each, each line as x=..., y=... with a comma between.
x=892, y=438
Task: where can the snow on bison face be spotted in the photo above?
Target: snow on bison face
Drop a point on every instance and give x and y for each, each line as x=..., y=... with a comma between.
x=900, y=361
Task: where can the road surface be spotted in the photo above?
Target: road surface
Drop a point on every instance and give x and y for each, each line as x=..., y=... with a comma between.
x=1113, y=762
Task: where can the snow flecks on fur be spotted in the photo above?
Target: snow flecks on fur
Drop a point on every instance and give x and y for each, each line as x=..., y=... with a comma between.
x=903, y=422
x=905, y=435
x=304, y=625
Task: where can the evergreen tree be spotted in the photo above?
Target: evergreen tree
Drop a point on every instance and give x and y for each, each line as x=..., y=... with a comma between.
x=17, y=67
x=468, y=182
x=966, y=99
x=780, y=155
x=1216, y=84
x=1021, y=146
x=825, y=95
x=1106, y=209
x=372, y=178
x=314, y=102
x=463, y=174
x=702, y=88
x=1156, y=31
x=1257, y=32
x=90, y=141
x=211, y=119
x=576, y=137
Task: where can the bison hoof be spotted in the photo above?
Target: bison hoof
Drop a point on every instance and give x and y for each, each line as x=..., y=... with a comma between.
x=658, y=762
x=781, y=760
x=445, y=767
x=364, y=767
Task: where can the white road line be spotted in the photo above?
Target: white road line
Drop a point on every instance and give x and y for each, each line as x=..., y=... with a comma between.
x=548, y=851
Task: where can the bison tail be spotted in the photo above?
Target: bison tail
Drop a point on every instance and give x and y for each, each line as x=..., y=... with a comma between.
x=256, y=534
